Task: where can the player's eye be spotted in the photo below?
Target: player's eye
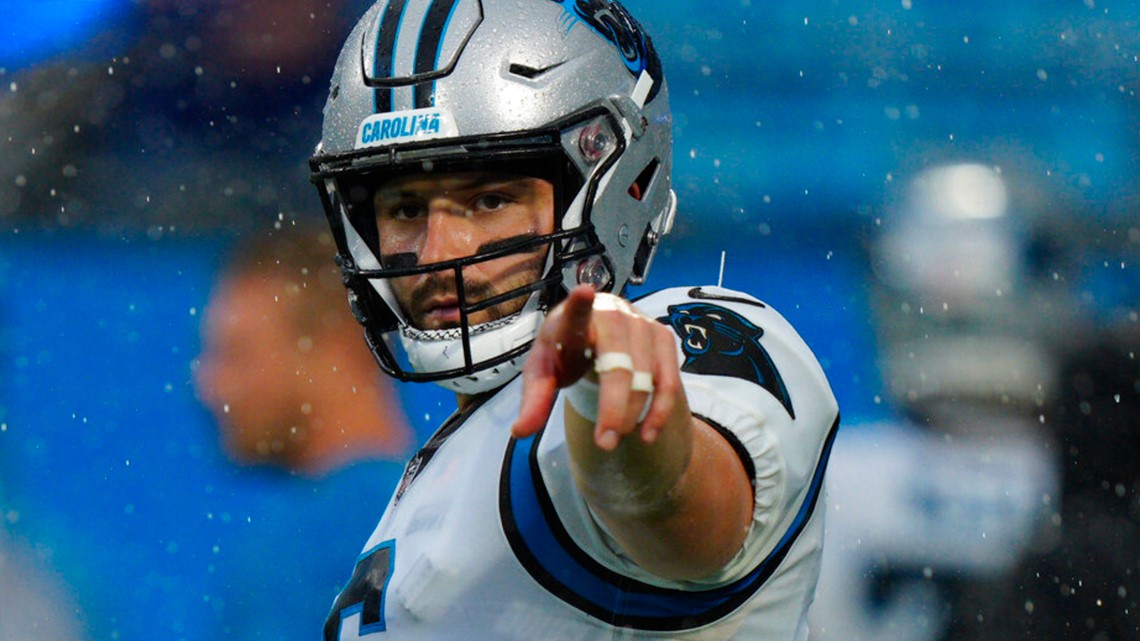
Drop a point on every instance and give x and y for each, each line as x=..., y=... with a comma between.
x=489, y=202
x=404, y=211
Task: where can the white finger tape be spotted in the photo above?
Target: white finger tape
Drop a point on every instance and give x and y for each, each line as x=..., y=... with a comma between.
x=642, y=382
x=610, y=361
x=611, y=303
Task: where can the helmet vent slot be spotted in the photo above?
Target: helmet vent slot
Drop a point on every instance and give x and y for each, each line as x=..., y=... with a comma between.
x=640, y=185
x=528, y=72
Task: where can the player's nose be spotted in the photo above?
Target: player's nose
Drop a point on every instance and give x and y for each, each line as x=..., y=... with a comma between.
x=450, y=233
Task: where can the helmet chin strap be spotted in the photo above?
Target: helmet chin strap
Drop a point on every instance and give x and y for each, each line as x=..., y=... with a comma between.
x=438, y=350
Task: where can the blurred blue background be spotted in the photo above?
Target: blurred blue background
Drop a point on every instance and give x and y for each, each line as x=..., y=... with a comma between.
x=798, y=126
x=34, y=31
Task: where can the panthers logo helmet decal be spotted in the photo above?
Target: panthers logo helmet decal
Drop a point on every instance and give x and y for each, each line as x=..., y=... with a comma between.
x=614, y=23
x=717, y=340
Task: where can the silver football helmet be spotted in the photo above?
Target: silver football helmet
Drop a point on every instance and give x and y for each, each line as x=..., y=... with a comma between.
x=567, y=90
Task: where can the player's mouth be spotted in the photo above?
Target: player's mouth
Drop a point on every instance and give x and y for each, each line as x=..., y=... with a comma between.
x=436, y=304
x=441, y=312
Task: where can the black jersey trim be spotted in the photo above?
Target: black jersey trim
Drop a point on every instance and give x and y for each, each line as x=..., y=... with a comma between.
x=737, y=446
x=548, y=553
x=422, y=457
x=698, y=293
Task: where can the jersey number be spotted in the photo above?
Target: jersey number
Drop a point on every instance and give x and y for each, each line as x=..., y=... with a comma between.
x=359, y=608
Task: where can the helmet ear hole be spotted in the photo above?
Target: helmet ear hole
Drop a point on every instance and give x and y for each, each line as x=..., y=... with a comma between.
x=644, y=256
x=640, y=186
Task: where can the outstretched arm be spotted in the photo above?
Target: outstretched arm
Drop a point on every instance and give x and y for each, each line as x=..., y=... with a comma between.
x=670, y=489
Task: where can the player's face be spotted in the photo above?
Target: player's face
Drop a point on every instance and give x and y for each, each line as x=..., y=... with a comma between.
x=425, y=219
x=248, y=370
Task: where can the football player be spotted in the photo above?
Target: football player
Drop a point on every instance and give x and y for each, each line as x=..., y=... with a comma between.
x=495, y=173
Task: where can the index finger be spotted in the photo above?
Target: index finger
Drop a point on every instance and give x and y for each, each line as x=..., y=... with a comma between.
x=567, y=333
x=557, y=359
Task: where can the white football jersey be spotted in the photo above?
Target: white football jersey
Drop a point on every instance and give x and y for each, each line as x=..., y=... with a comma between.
x=488, y=539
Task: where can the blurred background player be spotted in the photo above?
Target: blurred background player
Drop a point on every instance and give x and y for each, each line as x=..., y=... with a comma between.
x=299, y=402
x=932, y=511
x=283, y=369
x=1085, y=585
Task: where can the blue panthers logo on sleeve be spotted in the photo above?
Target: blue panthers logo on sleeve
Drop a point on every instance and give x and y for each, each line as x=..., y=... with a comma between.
x=718, y=341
